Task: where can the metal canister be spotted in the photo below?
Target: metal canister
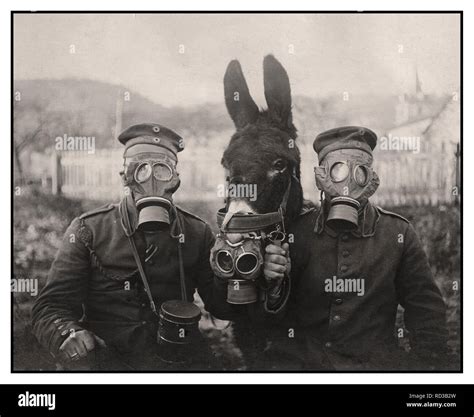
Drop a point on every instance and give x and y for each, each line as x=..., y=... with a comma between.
x=178, y=330
x=179, y=322
x=241, y=291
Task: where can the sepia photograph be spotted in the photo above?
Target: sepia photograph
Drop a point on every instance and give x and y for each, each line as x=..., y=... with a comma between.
x=236, y=192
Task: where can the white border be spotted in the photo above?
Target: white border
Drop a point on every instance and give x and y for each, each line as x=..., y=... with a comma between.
x=7, y=378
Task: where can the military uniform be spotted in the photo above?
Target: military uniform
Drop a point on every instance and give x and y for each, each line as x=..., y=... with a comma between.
x=353, y=264
x=340, y=330
x=94, y=282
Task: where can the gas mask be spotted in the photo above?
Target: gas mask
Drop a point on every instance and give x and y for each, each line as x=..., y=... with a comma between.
x=152, y=178
x=238, y=253
x=240, y=262
x=347, y=179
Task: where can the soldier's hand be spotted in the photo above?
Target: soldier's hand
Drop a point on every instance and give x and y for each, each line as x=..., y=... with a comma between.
x=79, y=344
x=277, y=263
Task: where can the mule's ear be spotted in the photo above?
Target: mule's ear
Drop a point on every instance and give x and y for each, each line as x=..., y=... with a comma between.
x=240, y=105
x=278, y=94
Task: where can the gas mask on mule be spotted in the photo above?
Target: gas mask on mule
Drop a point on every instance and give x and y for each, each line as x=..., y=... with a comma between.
x=345, y=173
x=238, y=252
x=241, y=262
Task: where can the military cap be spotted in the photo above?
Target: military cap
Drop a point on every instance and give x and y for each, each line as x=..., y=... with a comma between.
x=146, y=134
x=347, y=137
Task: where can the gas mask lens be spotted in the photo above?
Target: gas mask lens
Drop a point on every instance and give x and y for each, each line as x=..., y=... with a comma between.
x=246, y=263
x=143, y=172
x=339, y=171
x=361, y=175
x=162, y=172
x=224, y=261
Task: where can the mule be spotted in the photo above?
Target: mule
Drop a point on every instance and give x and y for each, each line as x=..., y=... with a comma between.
x=262, y=156
x=262, y=153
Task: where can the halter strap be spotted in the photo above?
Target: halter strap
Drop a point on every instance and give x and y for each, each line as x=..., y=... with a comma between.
x=241, y=223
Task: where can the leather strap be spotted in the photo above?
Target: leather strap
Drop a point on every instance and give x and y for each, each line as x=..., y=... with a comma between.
x=142, y=274
x=123, y=209
x=182, y=278
x=241, y=222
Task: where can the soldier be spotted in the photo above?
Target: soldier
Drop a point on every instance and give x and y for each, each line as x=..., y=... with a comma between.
x=118, y=264
x=352, y=264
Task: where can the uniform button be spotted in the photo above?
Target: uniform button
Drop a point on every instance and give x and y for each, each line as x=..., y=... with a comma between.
x=64, y=332
x=345, y=253
x=338, y=301
x=57, y=321
x=344, y=268
x=328, y=344
x=337, y=318
x=345, y=237
x=143, y=322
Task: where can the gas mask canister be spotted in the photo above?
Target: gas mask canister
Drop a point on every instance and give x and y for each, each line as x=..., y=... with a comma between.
x=345, y=173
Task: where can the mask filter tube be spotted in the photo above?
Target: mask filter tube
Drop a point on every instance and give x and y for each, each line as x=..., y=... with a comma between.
x=153, y=213
x=343, y=214
x=241, y=291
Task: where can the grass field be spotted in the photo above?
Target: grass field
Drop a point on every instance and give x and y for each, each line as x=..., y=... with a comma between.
x=41, y=219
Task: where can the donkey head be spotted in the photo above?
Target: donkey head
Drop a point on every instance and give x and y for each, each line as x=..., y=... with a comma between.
x=262, y=153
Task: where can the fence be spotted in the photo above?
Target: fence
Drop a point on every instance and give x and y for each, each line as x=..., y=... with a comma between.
x=406, y=178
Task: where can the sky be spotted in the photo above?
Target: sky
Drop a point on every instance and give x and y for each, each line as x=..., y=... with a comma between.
x=181, y=59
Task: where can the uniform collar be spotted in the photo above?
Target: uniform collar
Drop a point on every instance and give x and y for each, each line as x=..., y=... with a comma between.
x=368, y=219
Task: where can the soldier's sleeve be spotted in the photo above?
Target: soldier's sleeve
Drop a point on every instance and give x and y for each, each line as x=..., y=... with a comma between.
x=425, y=310
x=212, y=290
x=59, y=307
